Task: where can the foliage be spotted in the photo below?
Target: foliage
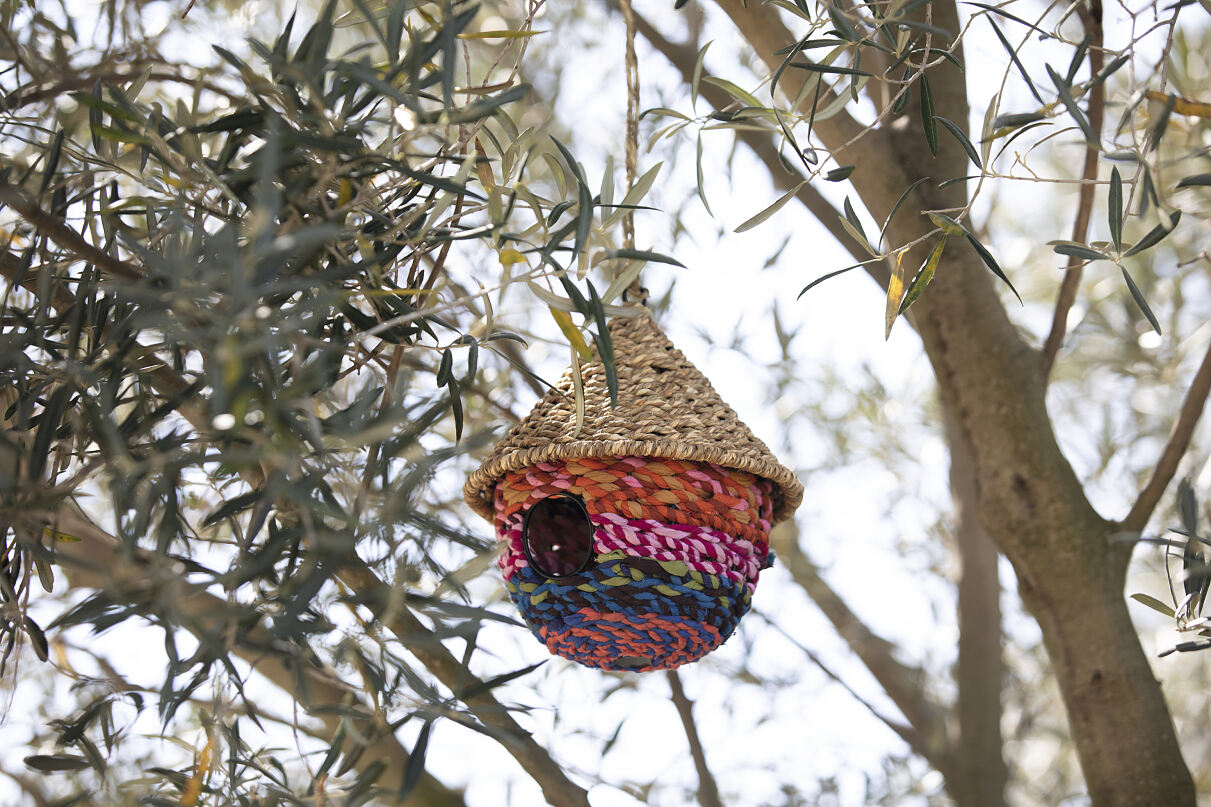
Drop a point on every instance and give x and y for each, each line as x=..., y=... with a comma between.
x=249, y=328
x=231, y=330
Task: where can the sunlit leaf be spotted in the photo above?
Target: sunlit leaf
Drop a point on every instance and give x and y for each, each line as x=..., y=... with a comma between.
x=1154, y=604
x=923, y=276
x=769, y=211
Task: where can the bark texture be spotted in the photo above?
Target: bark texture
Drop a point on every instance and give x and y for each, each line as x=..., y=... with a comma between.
x=981, y=773
x=1030, y=501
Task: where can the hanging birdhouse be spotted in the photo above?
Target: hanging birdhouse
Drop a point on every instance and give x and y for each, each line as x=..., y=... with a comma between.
x=635, y=543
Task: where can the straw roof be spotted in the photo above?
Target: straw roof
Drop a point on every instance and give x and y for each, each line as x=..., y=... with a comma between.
x=666, y=408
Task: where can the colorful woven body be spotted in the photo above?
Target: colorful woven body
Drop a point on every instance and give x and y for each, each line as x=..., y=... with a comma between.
x=678, y=547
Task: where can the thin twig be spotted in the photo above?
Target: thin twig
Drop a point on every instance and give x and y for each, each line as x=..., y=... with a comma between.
x=422, y=643
x=905, y=685
x=34, y=93
x=708, y=792
x=96, y=559
x=683, y=58
x=904, y=731
x=1091, y=16
x=54, y=228
x=1175, y=448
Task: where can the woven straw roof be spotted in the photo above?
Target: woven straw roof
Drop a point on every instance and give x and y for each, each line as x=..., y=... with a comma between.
x=666, y=408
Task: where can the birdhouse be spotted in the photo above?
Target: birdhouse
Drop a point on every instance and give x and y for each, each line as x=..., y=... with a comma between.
x=634, y=542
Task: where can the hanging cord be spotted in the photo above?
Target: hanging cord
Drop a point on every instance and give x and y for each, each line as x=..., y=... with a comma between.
x=635, y=291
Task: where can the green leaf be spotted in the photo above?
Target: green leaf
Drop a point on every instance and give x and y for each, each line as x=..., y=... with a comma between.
x=1002, y=12
x=1154, y=236
x=1140, y=301
x=823, y=278
x=416, y=762
x=1075, y=250
x=991, y=262
x=853, y=226
x=733, y=90
x=701, y=179
x=844, y=27
x=1196, y=180
x=456, y=406
x=1065, y=92
x=778, y=204
x=697, y=75
x=948, y=225
x=816, y=67
x=48, y=424
x=1187, y=506
x=1013, y=55
x=1078, y=56
x=895, y=208
x=584, y=206
x=961, y=136
x=1154, y=604
x=928, y=122
x=52, y=160
x=1013, y=121
x=852, y=217
x=642, y=255
x=605, y=345
x=1107, y=71
x=923, y=277
x=37, y=637
x=1114, y=209
x=54, y=763
x=839, y=174
x=635, y=195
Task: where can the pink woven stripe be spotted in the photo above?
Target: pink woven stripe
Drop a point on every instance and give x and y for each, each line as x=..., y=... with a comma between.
x=702, y=549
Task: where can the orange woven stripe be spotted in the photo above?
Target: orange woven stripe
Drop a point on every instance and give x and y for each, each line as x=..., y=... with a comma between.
x=672, y=491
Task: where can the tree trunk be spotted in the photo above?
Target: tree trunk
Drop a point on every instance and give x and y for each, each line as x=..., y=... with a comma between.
x=1030, y=501
x=981, y=772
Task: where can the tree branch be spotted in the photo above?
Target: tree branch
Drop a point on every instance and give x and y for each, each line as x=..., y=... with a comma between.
x=36, y=92
x=902, y=683
x=902, y=730
x=708, y=792
x=1175, y=448
x=10, y=269
x=765, y=147
x=53, y=228
x=1091, y=16
x=421, y=642
x=978, y=749
x=98, y=560
x=761, y=25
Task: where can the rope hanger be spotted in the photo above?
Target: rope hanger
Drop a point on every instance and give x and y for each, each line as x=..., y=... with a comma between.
x=635, y=291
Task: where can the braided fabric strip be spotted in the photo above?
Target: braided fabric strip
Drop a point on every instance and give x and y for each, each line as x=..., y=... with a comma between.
x=671, y=491
x=623, y=609
x=702, y=549
x=678, y=547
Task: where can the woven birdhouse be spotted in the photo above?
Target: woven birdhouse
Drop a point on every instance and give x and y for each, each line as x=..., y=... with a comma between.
x=635, y=543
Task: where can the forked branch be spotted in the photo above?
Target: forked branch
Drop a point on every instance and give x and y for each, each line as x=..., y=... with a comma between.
x=765, y=147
